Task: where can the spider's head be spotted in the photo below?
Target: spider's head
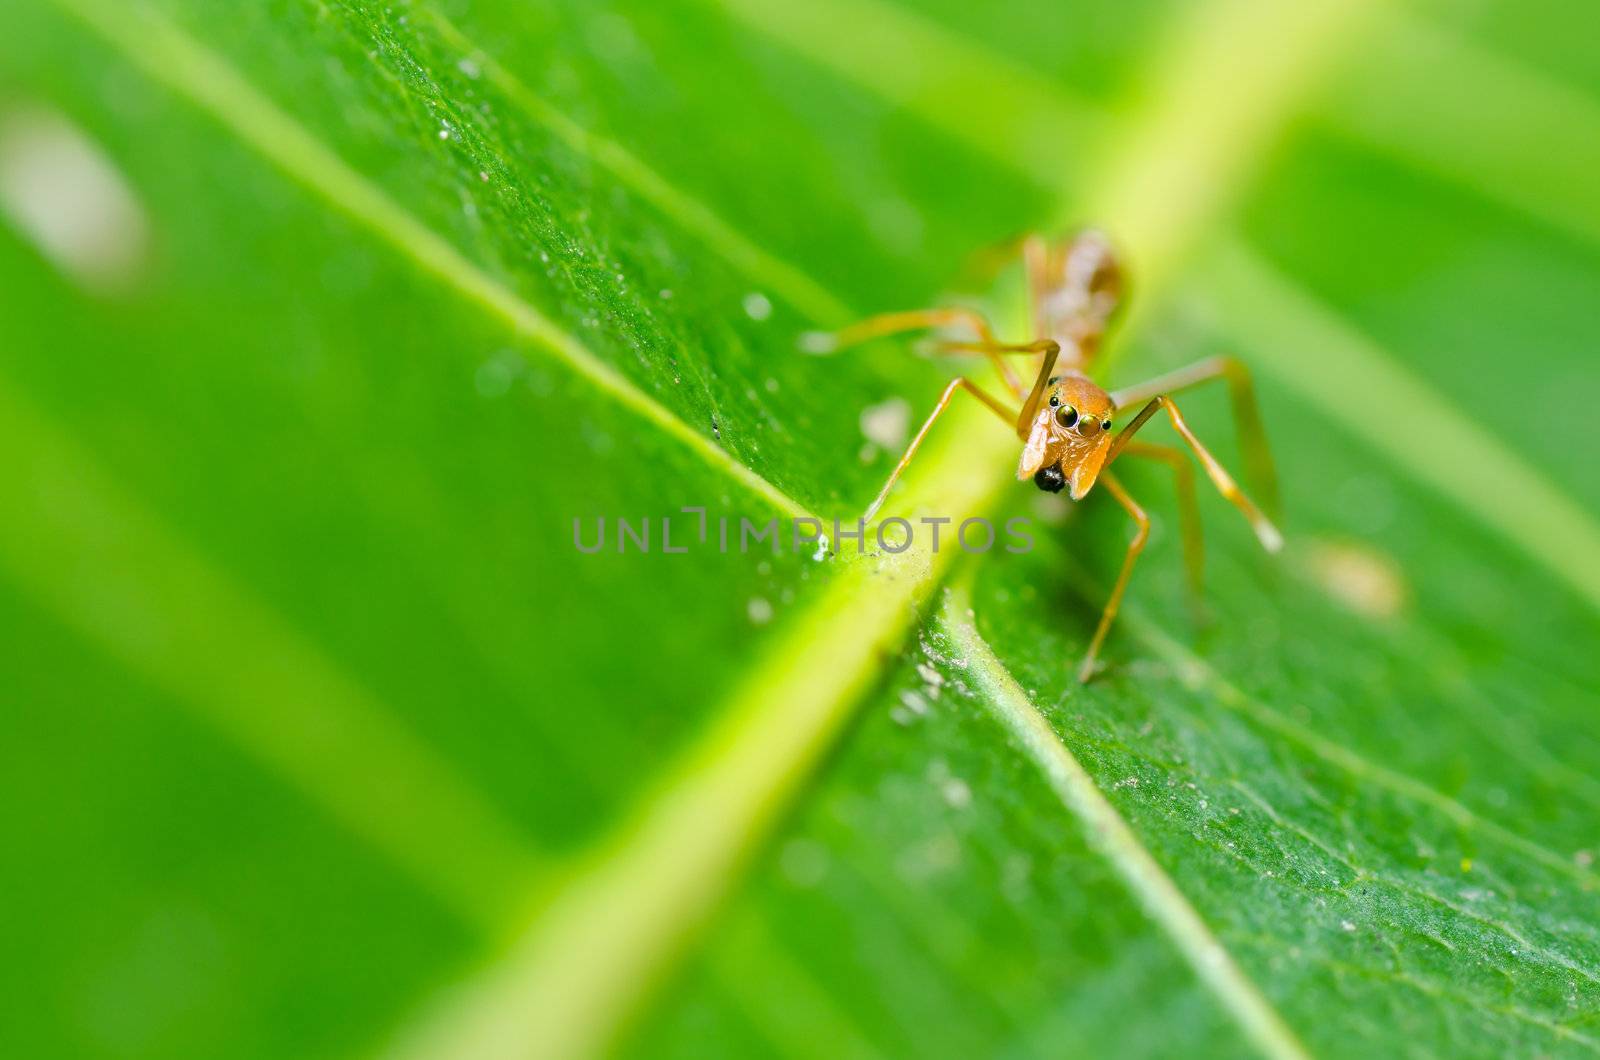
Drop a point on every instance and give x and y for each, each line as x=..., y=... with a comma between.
x=1070, y=436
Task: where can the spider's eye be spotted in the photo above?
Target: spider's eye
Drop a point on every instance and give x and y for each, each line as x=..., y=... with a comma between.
x=1054, y=401
x=1066, y=415
x=1089, y=427
x=1105, y=425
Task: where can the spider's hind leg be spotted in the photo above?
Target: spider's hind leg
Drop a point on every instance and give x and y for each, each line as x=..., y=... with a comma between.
x=883, y=324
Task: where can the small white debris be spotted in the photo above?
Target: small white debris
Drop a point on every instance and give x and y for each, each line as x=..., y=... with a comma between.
x=914, y=702
x=771, y=386
x=666, y=294
x=1583, y=859
x=1361, y=578
x=63, y=193
x=470, y=68
x=444, y=132
x=1347, y=925
x=757, y=305
x=483, y=176
x=887, y=423
x=759, y=610
x=956, y=793
x=818, y=343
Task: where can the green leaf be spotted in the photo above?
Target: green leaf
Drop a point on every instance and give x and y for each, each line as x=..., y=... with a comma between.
x=328, y=739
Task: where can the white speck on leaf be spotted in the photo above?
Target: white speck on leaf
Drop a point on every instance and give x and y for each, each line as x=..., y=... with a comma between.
x=914, y=702
x=757, y=306
x=1359, y=577
x=817, y=343
x=65, y=195
x=886, y=423
x=759, y=610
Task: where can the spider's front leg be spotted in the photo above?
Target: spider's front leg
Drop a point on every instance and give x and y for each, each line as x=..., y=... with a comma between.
x=1258, y=463
x=1194, y=549
x=1268, y=534
x=959, y=383
x=1017, y=419
x=1135, y=546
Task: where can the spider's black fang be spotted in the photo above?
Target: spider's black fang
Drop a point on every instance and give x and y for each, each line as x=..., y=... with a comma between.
x=1050, y=479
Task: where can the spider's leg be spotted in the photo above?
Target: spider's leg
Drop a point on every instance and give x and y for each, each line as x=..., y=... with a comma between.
x=959, y=383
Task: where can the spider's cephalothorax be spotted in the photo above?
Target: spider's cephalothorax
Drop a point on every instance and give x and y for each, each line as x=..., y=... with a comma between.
x=1068, y=437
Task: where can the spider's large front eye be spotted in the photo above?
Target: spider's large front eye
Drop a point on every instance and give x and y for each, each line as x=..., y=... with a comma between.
x=1066, y=415
x=1089, y=427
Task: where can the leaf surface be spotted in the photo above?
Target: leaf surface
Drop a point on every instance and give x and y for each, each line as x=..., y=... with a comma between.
x=329, y=740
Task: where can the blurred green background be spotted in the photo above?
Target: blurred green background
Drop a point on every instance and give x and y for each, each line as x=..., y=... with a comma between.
x=324, y=319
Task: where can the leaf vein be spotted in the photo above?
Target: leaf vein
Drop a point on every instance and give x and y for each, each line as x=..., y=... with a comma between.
x=1111, y=835
x=695, y=216
x=168, y=55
